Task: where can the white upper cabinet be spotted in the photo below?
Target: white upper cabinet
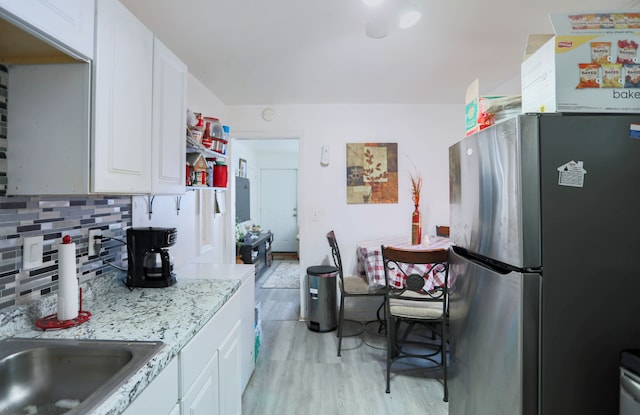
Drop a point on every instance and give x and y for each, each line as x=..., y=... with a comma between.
x=69, y=22
x=114, y=125
x=169, y=122
x=123, y=69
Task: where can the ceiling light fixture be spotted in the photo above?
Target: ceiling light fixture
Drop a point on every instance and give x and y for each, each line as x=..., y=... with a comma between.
x=377, y=27
x=404, y=13
x=372, y=3
x=408, y=15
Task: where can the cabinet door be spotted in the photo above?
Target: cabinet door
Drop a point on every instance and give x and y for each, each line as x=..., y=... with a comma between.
x=70, y=22
x=230, y=373
x=122, y=110
x=161, y=396
x=169, y=121
x=203, y=397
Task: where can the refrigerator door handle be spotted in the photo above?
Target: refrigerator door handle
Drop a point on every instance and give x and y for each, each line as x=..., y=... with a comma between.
x=630, y=384
x=494, y=265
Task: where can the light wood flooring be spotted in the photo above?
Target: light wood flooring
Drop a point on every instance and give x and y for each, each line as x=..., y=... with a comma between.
x=298, y=371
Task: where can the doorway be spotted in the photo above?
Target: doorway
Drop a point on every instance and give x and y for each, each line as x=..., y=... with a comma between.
x=271, y=151
x=271, y=166
x=279, y=207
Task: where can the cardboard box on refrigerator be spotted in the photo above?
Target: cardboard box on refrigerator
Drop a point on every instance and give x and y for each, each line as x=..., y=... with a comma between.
x=475, y=108
x=590, y=65
x=483, y=111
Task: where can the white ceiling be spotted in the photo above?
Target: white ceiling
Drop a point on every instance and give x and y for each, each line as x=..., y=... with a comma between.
x=270, y=52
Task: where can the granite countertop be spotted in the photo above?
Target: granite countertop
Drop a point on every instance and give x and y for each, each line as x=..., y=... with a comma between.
x=172, y=315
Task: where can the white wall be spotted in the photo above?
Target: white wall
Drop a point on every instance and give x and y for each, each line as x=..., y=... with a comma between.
x=423, y=133
x=199, y=99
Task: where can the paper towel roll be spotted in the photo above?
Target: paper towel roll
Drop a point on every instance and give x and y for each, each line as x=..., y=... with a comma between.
x=67, y=282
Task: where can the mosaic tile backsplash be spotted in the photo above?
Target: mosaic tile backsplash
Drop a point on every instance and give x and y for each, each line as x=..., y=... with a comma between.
x=4, y=77
x=53, y=217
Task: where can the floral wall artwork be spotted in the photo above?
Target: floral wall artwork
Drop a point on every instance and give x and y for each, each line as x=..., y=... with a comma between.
x=372, y=173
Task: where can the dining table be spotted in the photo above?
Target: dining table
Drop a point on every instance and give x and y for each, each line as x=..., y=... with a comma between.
x=371, y=266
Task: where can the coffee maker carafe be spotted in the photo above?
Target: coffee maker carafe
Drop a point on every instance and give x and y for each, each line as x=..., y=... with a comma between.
x=150, y=264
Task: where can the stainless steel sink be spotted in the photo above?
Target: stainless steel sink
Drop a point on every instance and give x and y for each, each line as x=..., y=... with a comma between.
x=46, y=376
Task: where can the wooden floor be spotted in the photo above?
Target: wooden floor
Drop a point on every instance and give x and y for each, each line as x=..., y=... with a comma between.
x=298, y=372
x=286, y=256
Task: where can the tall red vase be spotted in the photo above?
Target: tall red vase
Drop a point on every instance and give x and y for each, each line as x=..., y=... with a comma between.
x=416, y=226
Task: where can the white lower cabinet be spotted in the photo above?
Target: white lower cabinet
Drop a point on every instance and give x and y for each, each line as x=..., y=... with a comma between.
x=207, y=378
x=160, y=396
x=216, y=387
x=203, y=397
x=230, y=388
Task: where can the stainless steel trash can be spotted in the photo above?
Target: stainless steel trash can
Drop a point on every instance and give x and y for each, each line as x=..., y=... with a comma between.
x=321, y=281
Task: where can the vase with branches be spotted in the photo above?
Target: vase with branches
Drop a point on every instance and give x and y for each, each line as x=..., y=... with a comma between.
x=416, y=217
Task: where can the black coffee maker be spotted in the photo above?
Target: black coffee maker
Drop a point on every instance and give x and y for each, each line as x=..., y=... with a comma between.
x=150, y=265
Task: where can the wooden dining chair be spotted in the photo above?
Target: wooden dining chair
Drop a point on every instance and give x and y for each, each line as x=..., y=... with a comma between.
x=350, y=286
x=412, y=307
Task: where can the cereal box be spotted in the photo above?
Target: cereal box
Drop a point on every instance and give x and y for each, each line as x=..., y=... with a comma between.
x=592, y=64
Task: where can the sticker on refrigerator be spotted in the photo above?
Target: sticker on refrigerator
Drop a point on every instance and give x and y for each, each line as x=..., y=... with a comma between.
x=571, y=174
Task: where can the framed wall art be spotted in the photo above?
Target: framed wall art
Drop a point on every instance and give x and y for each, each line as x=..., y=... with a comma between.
x=242, y=168
x=372, y=173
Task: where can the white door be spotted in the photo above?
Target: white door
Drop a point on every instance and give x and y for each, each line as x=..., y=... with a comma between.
x=279, y=207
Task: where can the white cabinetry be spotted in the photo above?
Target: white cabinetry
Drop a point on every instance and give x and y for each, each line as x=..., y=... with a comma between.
x=139, y=87
x=203, y=396
x=215, y=389
x=169, y=121
x=231, y=385
x=212, y=369
x=161, y=396
x=121, y=143
x=69, y=22
x=208, y=266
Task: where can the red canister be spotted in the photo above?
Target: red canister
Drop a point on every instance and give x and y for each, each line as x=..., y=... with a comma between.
x=220, y=175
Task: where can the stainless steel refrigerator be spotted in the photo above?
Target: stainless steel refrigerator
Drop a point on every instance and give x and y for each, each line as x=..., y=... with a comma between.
x=545, y=222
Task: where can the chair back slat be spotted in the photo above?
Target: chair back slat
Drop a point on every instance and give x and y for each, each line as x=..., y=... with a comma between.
x=400, y=261
x=335, y=253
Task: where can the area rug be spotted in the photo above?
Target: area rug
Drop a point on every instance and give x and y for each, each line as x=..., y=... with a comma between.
x=285, y=274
